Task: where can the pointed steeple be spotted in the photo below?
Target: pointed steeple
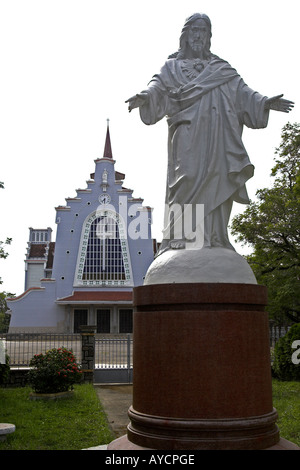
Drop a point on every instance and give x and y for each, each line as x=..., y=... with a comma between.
x=107, y=149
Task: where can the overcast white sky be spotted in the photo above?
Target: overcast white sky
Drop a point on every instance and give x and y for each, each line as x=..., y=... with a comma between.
x=68, y=65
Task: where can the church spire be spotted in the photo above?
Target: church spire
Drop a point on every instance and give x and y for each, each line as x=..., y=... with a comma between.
x=107, y=149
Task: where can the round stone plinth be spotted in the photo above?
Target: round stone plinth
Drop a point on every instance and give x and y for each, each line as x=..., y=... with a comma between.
x=204, y=265
x=6, y=428
x=202, y=371
x=122, y=443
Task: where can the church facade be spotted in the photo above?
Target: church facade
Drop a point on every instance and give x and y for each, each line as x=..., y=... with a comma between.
x=102, y=250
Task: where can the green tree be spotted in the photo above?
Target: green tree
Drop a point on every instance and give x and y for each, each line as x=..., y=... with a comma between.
x=4, y=317
x=271, y=227
x=3, y=253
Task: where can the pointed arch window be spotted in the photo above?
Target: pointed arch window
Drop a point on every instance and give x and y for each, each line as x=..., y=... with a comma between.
x=103, y=257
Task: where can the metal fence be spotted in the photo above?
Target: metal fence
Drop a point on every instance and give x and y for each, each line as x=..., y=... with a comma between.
x=113, y=359
x=21, y=347
x=276, y=332
x=112, y=353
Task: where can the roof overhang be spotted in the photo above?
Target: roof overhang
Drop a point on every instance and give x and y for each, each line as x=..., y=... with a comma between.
x=100, y=298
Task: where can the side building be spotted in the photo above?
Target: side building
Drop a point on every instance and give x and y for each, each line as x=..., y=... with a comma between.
x=103, y=249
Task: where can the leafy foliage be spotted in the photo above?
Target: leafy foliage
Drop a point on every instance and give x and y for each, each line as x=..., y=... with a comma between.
x=283, y=367
x=271, y=227
x=55, y=371
x=4, y=313
x=3, y=253
x=4, y=370
x=4, y=316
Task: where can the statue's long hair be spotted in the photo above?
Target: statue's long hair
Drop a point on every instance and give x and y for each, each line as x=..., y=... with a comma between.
x=180, y=54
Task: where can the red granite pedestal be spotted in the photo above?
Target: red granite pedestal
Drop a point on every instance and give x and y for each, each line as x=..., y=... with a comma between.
x=202, y=374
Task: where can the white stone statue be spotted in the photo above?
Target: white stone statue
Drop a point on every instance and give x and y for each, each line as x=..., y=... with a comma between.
x=206, y=104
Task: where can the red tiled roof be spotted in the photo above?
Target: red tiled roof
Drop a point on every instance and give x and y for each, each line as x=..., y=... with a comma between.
x=37, y=250
x=85, y=296
x=94, y=296
x=50, y=255
x=119, y=176
x=31, y=289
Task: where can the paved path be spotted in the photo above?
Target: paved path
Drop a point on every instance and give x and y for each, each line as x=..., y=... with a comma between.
x=116, y=400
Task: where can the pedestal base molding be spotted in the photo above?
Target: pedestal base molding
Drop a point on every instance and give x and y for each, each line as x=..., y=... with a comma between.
x=205, y=434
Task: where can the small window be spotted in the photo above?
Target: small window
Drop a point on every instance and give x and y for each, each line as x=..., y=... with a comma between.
x=125, y=320
x=103, y=321
x=80, y=318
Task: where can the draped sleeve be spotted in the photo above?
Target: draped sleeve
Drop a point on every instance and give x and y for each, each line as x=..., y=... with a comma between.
x=250, y=107
x=159, y=103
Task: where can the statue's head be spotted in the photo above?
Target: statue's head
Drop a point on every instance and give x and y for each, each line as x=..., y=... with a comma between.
x=195, y=37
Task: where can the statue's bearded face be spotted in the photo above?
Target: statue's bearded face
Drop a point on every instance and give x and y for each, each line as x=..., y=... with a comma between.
x=198, y=36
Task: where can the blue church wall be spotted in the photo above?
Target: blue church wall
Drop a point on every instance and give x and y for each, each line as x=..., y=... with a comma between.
x=103, y=243
x=35, y=310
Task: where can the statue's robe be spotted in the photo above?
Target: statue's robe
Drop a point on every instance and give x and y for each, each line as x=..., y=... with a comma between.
x=207, y=161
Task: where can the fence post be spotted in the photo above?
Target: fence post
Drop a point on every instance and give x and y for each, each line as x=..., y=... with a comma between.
x=128, y=357
x=88, y=352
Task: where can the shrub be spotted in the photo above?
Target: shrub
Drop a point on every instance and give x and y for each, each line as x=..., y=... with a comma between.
x=55, y=371
x=4, y=370
x=283, y=367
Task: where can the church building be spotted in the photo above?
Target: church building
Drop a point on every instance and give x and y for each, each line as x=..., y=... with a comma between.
x=103, y=249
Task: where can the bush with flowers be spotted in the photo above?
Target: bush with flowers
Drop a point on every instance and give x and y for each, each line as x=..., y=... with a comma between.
x=54, y=371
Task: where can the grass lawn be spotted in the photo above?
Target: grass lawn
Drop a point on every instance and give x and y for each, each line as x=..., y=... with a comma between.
x=79, y=422
x=286, y=400
x=73, y=423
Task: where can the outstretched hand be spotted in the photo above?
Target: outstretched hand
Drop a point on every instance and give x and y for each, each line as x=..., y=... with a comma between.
x=137, y=100
x=279, y=104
